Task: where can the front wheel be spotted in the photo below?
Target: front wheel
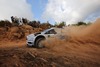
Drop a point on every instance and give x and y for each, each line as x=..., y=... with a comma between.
x=39, y=43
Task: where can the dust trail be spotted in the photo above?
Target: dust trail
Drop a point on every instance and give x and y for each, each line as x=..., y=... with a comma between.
x=82, y=39
x=90, y=34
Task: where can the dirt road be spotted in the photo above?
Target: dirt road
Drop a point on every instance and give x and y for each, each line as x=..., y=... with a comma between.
x=31, y=57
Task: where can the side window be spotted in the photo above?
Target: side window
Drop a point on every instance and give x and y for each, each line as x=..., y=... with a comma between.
x=51, y=32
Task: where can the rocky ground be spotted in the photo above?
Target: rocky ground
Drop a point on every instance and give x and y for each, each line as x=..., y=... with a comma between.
x=32, y=57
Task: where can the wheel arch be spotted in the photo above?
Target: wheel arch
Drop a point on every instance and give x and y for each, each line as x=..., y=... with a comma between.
x=40, y=36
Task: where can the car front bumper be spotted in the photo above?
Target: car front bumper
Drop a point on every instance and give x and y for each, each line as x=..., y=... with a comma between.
x=30, y=44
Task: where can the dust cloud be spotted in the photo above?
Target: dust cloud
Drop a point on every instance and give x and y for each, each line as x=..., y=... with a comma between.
x=78, y=40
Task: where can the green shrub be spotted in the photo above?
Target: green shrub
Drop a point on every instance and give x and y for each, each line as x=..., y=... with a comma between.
x=81, y=23
x=60, y=25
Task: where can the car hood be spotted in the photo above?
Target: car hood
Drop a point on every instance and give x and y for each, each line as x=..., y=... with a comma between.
x=30, y=37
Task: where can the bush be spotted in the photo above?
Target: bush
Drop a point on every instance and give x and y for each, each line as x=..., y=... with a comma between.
x=81, y=23
x=34, y=24
x=24, y=20
x=5, y=23
x=60, y=25
x=45, y=25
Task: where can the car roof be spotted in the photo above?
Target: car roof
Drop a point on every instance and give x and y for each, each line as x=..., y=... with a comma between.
x=47, y=30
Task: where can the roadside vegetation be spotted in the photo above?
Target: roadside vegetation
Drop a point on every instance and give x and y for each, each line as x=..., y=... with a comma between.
x=19, y=28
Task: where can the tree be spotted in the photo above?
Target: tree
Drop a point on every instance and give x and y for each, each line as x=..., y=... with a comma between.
x=24, y=20
x=16, y=21
x=61, y=24
x=45, y=25
x=81, y=23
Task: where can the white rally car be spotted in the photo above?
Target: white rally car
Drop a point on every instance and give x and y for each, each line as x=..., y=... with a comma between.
x=35, y=40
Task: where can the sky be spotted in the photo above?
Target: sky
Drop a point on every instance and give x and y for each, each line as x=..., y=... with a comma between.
x=69, y=11
x=38, y=7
